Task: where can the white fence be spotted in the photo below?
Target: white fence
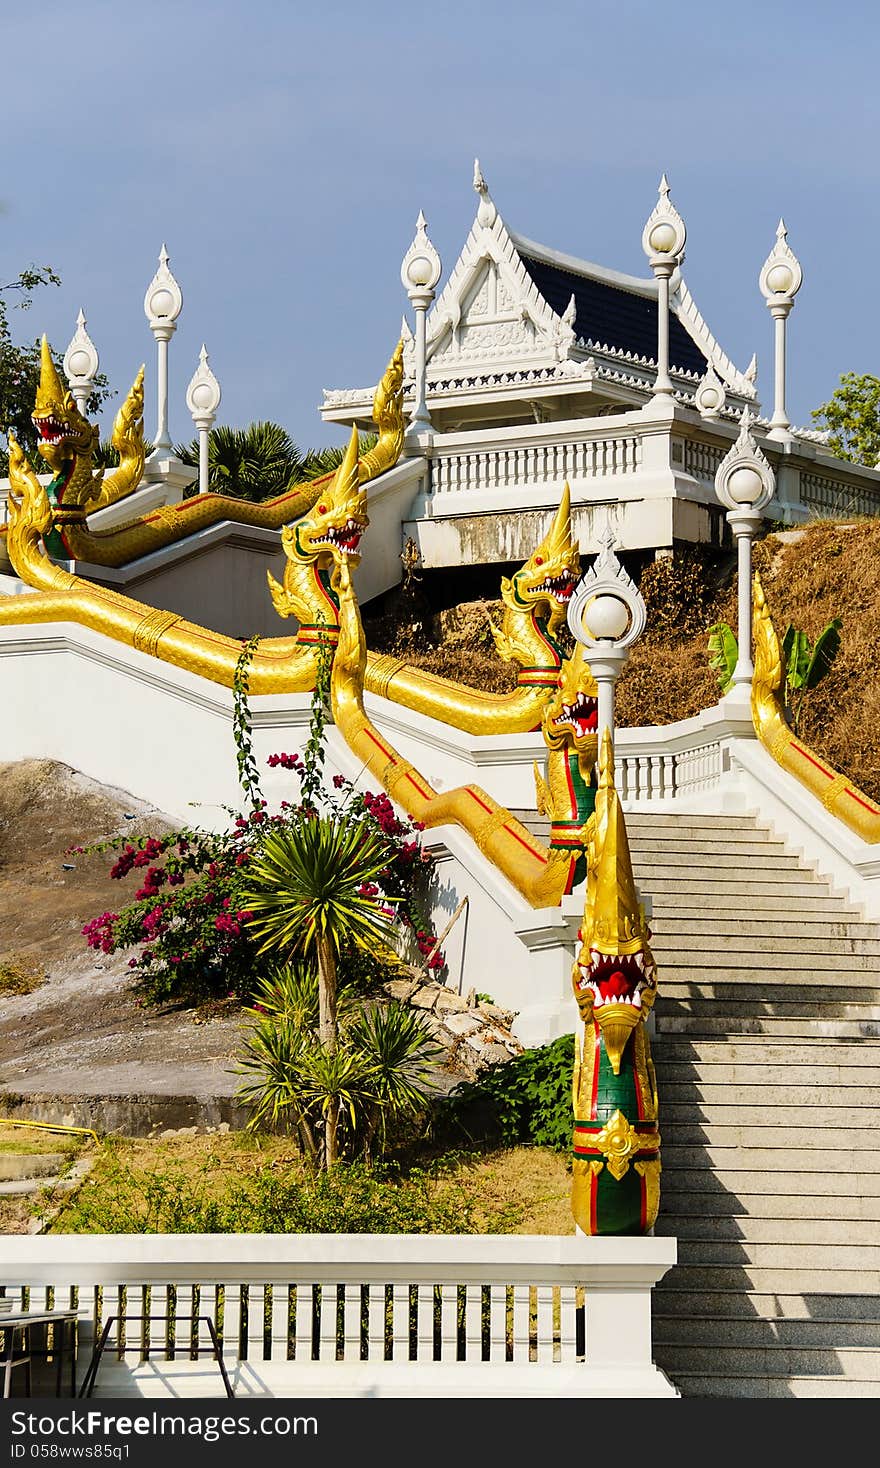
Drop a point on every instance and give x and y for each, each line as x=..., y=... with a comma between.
x=592, y=456
x=353, y=1314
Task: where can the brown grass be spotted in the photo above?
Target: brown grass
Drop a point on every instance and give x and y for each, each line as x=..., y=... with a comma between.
x=19, y=975
x=833, y=569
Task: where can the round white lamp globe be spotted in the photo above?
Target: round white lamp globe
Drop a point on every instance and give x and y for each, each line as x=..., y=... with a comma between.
x=606, y=617
x=662, y=238
x=745, y=485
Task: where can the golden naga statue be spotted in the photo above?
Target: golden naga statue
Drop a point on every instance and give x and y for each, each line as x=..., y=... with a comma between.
x=535, y=601
x=315, y=550
x=540, y=874
x=835, y=792
x=616, y=1165
x=170, y=523
x=567, y=794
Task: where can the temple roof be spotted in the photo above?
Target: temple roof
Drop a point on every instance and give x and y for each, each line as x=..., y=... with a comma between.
x=516, y=320
x=611, y=315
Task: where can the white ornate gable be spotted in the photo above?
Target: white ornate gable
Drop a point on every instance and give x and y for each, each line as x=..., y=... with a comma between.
x=490, y=310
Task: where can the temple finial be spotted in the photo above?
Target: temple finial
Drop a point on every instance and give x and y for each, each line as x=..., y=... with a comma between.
x=486, y=211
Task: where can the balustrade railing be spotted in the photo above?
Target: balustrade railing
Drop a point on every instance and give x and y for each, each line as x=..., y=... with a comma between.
x=289, y=1305
x=669, y=775
x=459, y=470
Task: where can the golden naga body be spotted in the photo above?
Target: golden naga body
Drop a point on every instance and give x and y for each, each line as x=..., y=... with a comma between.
x=171, y=523
x=835, y=792
x=535, y=601
x=616, y=1165
x=539, y=874
x=280, y=664
x=567, y=795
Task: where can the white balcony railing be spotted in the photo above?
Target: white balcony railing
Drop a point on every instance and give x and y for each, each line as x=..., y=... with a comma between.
x=590, y=455
x=354, y=1314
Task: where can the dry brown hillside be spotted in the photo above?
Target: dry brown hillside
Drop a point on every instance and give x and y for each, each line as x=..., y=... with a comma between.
x=831, y=569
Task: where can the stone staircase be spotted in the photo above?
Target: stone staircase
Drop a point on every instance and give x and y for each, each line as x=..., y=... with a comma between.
x=767, y=1051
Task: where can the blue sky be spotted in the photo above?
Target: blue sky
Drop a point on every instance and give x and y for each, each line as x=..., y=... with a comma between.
x=282, y=151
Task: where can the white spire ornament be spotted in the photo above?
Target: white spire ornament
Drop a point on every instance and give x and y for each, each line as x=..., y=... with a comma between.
x=486, y=211
x=780, y=280
x=81, y=364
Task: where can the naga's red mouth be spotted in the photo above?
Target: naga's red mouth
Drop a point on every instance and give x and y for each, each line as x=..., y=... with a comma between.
x=561, y=587
x=347, y=539
x=582, y=715
x=616, y=979
x=49, y=428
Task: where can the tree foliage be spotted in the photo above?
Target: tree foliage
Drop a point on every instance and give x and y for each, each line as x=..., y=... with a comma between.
x=20, y=364
x=260, y=461
x=852, y=418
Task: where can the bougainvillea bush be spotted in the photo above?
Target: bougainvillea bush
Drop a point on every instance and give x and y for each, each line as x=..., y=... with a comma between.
x=187, y=922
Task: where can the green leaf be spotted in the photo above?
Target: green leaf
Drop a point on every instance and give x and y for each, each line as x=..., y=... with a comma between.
x=825, y=651
x=724, y=653
x=797, y=661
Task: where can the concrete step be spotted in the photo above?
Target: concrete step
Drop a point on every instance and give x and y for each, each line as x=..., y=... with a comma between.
x=753, y=1050
x=752, y=950
x=702, y=863
x=676, y=1298
x=691, y=1203
x=696, y=1098
x=843, y=933
x=771, y=1112
x=673, y=897
x=741, y=1277
x=763, y=1388
x=785, y=957
x=715, y=1078
x=773, y=1371
x=707, y=1023
x=692, y=1331
x=689, y=820
x=700, y=843
x=834, y=1233
x=693, y=884
x=730, y=1157
x=777, y=997
x=23, y=1166
x=688, y=1171
x=804, y=1133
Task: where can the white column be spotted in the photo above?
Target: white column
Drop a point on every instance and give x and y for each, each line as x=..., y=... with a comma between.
x=780, y=280
x=162, y=306
x=203, y=399
x=663, y=241
x=744, y=484
x=744, y=526
x=420, y=272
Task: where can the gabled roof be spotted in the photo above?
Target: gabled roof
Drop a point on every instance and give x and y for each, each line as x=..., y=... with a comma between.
x=612, y=315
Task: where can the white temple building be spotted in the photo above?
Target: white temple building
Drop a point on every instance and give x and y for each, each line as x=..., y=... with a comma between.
x=540, y=367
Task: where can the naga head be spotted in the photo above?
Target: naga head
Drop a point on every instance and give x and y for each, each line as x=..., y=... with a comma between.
x=550, y=576
x=331, y=530
x=614, y=975
x=571, y=716
x=63, y=433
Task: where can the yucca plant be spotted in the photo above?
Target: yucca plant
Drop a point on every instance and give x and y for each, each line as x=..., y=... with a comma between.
x=401, y=1052
x=309, y=897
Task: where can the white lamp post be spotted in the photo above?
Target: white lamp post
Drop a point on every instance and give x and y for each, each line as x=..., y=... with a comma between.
x=606, y=615
x=420, y=272
x=744, y=483
x=162, y=306
x=663, y=241
x=780, y=280
x=203, y=400
x=81, y=364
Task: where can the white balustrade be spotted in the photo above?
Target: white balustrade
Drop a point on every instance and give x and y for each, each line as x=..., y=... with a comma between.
x=535, y=1314
x=459, y=469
